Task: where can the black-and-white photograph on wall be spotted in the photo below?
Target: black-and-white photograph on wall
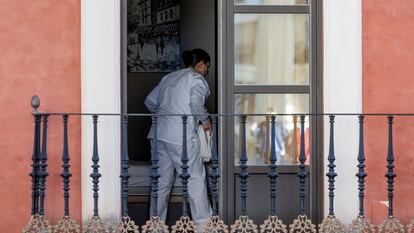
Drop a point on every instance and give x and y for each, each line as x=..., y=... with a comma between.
x=153, y=35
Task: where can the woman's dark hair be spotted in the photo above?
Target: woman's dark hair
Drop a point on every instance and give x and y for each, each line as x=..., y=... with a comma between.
x=191, y=58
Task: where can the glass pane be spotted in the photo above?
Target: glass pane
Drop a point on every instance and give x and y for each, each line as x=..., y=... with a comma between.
x=270, y=2
x=258, y=135
x=271, y=49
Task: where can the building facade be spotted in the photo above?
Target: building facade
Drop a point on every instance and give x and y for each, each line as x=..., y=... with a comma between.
x=70, y=54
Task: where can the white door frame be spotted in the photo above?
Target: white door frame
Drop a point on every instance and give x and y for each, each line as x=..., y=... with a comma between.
x=101, y=92
x=343, y=93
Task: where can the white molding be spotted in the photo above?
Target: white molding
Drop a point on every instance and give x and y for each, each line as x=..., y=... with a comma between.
x=343, y=93
x=100, y=93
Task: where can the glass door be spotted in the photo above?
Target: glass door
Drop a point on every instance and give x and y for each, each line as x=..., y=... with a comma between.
x=272, y=70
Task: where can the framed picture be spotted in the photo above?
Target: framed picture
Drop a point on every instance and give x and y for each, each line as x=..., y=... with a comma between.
x=153, y=35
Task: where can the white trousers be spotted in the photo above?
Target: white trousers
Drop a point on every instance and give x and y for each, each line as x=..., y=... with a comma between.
x=170, y=160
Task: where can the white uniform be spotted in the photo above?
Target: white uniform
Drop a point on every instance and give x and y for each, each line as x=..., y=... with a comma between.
x=181, y=92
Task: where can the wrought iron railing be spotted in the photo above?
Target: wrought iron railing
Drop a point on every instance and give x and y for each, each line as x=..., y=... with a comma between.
x=243, y=224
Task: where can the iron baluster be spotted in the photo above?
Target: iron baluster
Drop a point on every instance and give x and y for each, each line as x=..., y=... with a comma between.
x=302, y=223
x=391, y=224
x=184, y=168
x=95, y=174
x=125, y=166
x=243, y=223
x=66, y=158
x=361, y=223
x=361, y=166
x=38, y=222
x=272, y=167
x=125, y=224
x=243, y=166
x=66, y=223
x=215, y=175
x=155, y=167
x=35, y=164
x=43, y=167
x=155, y=224
x=95, y=224
x=302, y=172
x=390, y=174
x=214, y=224
x=331, y=174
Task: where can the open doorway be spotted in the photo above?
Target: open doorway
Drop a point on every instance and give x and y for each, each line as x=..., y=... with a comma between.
x=160, y=30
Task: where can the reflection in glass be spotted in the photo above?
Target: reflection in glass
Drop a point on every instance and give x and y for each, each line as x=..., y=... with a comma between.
x=270, y=2
x=271, y=49
x=258, y=133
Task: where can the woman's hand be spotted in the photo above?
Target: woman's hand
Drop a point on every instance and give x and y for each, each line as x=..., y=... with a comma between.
x=207, y=126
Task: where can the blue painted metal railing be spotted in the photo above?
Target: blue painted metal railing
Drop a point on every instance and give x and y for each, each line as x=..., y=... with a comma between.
x=272, y=167
x=390, y=174
x=35, y=164
x=215, y=174
x=95, y=174
x=125, y=166
x=43, y=167
x=66, y=158
x=39, y=172
x=244, y=175
x=331, y=173
x=155, y=173
x=184, y=174
x=361, y=166
x=302, y=172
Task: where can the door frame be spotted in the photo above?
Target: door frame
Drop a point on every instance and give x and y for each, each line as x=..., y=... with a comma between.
x=338, y=95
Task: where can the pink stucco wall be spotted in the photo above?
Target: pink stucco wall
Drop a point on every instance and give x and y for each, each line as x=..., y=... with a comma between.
x=388, y=86
x=40, y=54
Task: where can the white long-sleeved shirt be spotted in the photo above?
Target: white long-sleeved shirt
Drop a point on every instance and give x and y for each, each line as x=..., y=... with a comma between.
x=181, y=92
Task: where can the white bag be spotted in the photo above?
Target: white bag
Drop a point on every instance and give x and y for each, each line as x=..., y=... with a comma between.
x=205, y=144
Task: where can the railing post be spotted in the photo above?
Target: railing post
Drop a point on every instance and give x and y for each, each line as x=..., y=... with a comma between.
x=302, y=172
x=38, y=157
x=390, y=174
x=125, y=224
x=361, y=224
x=244, y=175
x=155, y=172
x=331, y=173
x=215, y=224
x=95, y=174
x=184, y=224
x=244, y=223
x=43, y=167
x=35, y=165
x=273, y=175
x=302, y=223
x=215, y=175
x=38, y=222
x=95, y=224
x=124, y=166
x=66, y=175
x=155, y=224
x=361, y=166
x=273, y=224
x=66, y=223
x=391, y=224
x=184, y=168
x=331, y=222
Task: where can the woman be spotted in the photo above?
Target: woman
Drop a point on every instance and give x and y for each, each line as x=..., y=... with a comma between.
x=182, y=92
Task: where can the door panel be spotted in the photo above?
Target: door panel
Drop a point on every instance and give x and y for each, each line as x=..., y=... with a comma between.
x=271, y=70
